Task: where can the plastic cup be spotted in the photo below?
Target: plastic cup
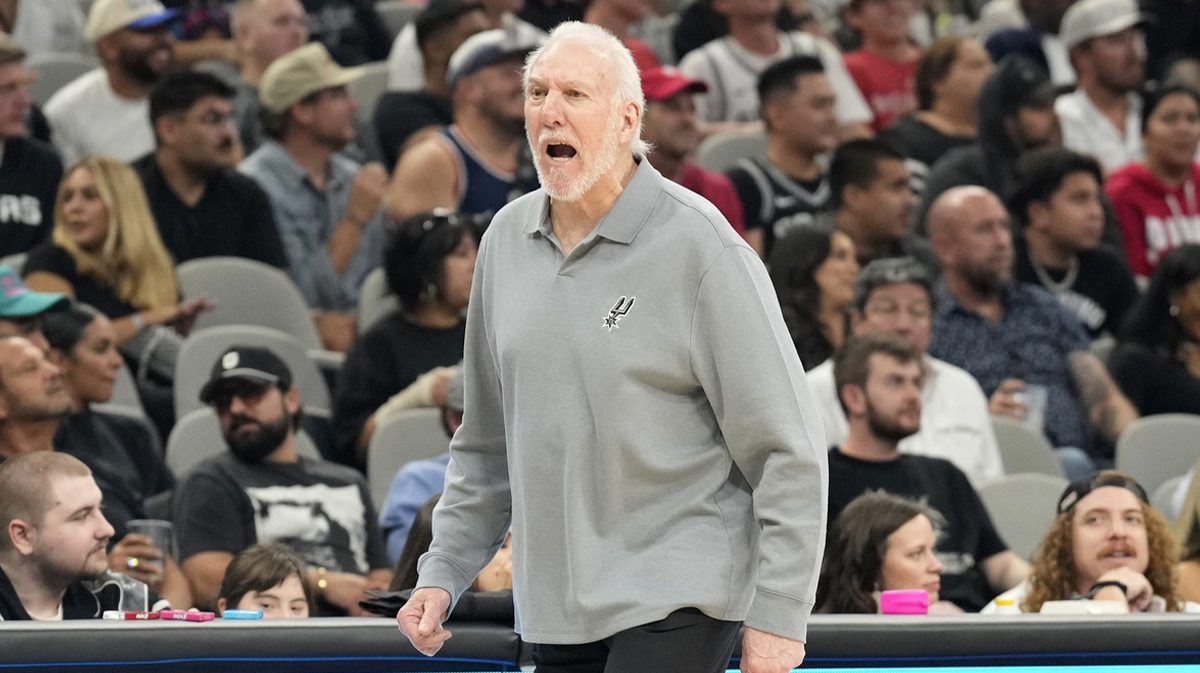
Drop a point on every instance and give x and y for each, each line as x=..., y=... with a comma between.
x=1035, y=397
x=162, y=537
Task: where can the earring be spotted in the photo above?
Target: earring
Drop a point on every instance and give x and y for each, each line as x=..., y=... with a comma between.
x=1174, y=310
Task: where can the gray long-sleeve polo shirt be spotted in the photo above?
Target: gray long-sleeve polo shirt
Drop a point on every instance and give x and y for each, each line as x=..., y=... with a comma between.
x=638, y=413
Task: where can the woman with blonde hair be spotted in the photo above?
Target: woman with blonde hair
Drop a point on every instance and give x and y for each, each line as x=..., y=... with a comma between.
x=105, y=251
x=1106, y=544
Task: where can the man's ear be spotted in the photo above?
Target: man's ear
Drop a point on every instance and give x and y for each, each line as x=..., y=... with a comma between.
x=1038, y=215
x=21, y=535
x=291, y=400
x=856, y=319
x=221, y=605
x=854, y=398
x=107, y=48
x=631, y=121
x=167, y=129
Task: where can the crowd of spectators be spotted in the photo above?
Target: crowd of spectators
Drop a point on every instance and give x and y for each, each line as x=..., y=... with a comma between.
x=967, y=210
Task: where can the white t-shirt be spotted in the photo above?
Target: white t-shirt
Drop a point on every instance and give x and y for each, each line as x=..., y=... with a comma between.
x=731, y=72
x=955, y=424
x=1017, y=595
x=52, y=26
x=1085, y=129
x=406, y=65
x=88, y=118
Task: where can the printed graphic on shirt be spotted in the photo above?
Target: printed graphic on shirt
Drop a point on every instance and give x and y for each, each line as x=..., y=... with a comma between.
x=1164, y=234
x=20, y=210
x=324, y=525
x=618, y=311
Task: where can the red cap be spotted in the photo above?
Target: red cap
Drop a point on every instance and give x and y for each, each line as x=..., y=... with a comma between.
x=663, y=82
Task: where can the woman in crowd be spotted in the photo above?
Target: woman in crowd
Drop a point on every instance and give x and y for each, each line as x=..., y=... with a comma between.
x=429, y=263
x=1156, y=201
x=1106, y=544
x=267, y=577
x=813, y=269
x=1157, y=364
x=495, y=576
x=879, y=542
x=123, y=452
x=105, y=251
x=949, y=78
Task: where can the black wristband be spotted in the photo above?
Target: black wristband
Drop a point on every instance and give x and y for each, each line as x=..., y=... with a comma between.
x=1107, y=583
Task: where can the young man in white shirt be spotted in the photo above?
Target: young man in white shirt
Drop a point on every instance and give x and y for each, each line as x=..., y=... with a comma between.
x=106, y=111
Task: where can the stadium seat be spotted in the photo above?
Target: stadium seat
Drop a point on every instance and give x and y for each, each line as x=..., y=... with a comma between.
x=416, y=434
x=1023, y=450
x=1155, y=448
x=203, y=347
x=721, y=151
x=1163, y=497
x=396, y=14
x=247, y=292
x=367, y=89
x=56, y=70
x=197, y=437
x=1022, y=507
x=374, y=300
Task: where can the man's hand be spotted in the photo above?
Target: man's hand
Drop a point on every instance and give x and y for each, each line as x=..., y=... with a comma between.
x=136, y=556
x=1006, y=402
x=345, y=590
x=764, y=652
x=421, y=619
x=366, y=193
x=1139, y=590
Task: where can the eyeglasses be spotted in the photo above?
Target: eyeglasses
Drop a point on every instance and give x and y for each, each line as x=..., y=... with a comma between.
x=214, y=118
x=249, y=392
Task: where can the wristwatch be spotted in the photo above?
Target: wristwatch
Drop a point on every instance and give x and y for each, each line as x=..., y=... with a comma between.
x=1104, y=585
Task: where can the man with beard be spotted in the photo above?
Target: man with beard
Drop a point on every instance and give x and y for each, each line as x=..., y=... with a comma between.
x=32, y=398
x=1103, y=116
x=263, y=491
x=104, y=112
x=472, y=165
x=635, y=408
x=326, y=205
x=203, y=208
x=1011, y=336
x=53, y=560
x=879, y=380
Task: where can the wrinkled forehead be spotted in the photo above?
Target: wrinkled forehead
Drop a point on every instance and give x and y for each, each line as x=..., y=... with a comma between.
x=574, y=60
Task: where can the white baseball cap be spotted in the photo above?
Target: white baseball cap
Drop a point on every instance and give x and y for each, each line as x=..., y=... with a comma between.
x=1096, y=18
x=109, y=16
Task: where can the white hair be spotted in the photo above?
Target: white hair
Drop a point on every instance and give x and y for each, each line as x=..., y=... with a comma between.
x=605, y=46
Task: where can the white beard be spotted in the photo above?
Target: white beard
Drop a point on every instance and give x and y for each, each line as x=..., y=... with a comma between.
x=551, y=177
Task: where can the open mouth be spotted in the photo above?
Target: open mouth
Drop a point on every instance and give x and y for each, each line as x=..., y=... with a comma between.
x=560, y=152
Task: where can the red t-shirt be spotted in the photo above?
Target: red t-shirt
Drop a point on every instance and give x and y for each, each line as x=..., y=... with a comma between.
x=889, y=86
x=718, y=190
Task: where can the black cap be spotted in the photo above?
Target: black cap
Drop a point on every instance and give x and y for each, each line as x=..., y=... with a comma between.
x=1079, y=488
x=253, y=363
x=1019, y=82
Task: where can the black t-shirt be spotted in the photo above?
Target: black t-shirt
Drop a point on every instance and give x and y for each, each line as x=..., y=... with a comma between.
x=969, y=537
x=29, y=175
x=922, y=144
x=351, y=30
x=400, y=114
x=87, y=599
x=88, y=289
x=125, y=457
x=384, y=361
x=233, y=218
x=1102, y=293
x=1154, y=382
x=320, y=510
x=775, y=202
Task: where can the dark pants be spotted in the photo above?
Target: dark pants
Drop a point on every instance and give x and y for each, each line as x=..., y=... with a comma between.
x=687, y=641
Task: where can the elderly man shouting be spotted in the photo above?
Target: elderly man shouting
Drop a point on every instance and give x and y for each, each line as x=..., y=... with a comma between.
x=634, y=409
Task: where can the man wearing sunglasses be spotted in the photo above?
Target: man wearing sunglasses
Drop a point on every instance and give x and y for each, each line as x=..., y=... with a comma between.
x=262, y=491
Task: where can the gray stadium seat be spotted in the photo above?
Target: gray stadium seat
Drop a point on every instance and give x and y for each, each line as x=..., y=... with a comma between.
x=1155, y=448
x=1022, y=507
x=374, y=300
x=396, y=14
x=56, y=70
x=14, y=261
x=247, y=292
x=1162, y=498
x=416, y=434
x=197, y=437
x=367, y=89
x=719, y=152
x=203, y=347
x=1023, y=450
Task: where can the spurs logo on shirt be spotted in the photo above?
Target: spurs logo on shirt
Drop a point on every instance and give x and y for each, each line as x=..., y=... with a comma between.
x=618, y=311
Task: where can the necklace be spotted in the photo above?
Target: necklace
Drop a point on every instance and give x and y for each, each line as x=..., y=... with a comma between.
x=1044, y=275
